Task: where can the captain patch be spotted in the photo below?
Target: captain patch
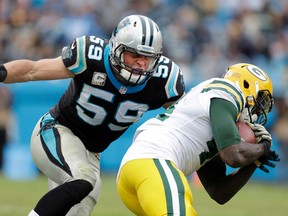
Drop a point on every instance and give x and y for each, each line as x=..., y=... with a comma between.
x=99, y=79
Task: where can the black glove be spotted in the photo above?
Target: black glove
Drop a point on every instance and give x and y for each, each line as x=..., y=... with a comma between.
x=271, y=156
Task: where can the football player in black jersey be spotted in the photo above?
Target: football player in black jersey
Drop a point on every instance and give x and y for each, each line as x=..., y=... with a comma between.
x=113, y=83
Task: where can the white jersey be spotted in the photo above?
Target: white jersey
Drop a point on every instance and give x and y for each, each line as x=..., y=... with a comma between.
x=183, y=136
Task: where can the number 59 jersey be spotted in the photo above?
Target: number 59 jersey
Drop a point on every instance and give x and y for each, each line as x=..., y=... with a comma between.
x=96, y=106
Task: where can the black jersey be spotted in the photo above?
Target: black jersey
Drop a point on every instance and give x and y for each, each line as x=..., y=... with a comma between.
x=96, y=106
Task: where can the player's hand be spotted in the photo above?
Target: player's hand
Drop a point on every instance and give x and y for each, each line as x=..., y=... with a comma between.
x=272, y=156
x=246, y=117
x=260, y=133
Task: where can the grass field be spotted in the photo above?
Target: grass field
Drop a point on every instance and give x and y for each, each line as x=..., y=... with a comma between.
x=256, y=199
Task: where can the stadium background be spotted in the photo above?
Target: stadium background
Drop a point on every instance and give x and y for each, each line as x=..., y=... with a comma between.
x=202, y=36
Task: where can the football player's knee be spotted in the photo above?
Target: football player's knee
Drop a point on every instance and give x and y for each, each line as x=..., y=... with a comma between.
x=86, y=173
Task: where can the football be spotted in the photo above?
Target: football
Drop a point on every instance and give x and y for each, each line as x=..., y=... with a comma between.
x=246, y=132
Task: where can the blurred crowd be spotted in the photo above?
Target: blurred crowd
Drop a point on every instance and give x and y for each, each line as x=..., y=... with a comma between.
x=202, y=36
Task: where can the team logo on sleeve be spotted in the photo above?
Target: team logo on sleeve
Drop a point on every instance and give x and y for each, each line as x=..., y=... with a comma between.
x=99, y=78
x=66, y=53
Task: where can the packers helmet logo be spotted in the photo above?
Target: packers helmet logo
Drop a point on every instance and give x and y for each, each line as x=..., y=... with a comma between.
x=257, y=72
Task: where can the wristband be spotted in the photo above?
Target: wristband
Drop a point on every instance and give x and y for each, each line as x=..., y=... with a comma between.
x=267, y=146
x=3, y=73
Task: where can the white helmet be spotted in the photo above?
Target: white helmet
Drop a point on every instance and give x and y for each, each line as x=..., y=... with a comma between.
x=137, y=34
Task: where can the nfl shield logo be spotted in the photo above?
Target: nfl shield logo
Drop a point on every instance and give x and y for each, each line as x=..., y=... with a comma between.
x=122, y=90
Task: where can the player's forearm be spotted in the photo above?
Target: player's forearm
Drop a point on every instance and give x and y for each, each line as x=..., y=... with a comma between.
x=44, y=69
x=227, y=187
x=242, y=154
x=18, y=71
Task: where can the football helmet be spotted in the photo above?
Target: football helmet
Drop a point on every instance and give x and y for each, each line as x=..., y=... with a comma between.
x=257, y=89
x=139, y=35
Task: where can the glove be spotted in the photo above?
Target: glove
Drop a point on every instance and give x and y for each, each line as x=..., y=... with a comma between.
x=260, y=133
x=271, y=156
x=245, y=116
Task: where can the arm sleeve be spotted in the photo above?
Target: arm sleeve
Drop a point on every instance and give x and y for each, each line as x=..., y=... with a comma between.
x=175, y=86
x=74, y=55
x=223, y=115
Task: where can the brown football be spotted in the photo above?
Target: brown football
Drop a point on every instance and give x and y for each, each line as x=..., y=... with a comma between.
x=246, y=132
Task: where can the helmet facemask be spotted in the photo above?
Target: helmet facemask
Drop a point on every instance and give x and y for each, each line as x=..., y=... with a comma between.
x=262, y=106
x=129, y=75
x=256, y=110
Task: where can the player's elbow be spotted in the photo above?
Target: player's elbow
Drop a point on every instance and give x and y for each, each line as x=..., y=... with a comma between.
x=220, y=197
x=232, y=156
x=221, y=201
x=234, y=162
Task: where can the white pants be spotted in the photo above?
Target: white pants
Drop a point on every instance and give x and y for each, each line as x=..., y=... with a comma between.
x=62, y=157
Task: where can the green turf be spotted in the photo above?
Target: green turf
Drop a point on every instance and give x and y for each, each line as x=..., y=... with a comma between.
x=255, y=199
x=18, y=197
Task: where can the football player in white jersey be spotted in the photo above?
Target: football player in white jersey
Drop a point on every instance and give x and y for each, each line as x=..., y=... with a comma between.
x=199, y=134
x=113, y=83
